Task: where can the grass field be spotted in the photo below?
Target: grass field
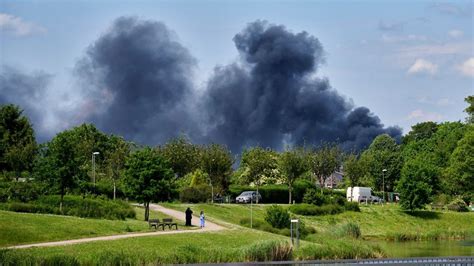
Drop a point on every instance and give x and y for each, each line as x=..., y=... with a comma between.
x=375, y=221
x=24, y=228
x=234, y=245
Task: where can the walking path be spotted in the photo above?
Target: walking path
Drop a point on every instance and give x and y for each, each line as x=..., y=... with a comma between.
x=175, y=214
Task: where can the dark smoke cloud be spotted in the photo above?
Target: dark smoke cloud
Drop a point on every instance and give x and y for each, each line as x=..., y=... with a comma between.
x=141, y=79
x=136, y=81
x=271, y=99
x=27, y=91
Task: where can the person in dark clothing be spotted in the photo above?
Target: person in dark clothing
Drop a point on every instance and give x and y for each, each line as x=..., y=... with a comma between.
x=189, y=216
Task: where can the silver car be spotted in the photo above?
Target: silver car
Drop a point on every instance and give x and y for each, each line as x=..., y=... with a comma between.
x=247, y=196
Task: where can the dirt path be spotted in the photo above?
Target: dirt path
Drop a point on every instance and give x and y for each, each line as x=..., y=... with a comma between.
x=175, y=214
x=180, y=215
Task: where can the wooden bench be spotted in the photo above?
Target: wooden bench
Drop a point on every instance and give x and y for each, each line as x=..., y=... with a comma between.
x=156, y=223
x=169, y=222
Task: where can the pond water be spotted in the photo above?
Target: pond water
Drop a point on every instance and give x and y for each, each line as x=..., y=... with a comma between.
x=427, y=248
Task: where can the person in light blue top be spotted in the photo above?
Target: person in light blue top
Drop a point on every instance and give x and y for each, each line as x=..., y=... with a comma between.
x=202, y=219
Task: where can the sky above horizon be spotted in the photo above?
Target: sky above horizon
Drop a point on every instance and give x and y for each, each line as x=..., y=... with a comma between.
x=407, y=61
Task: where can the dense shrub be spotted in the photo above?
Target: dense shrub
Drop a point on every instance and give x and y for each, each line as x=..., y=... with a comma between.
x=311, y=210
x=270, y=250
x=20, y=191
x=200, y=193
x=457, y=205
x=351, y=206
x=313, y=196
x=349, y=230
x=76, y=206
x=277, y=217
x=299, y=189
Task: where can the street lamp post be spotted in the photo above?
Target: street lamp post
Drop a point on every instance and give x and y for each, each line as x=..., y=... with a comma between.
x=383, y=185
x=93, y=165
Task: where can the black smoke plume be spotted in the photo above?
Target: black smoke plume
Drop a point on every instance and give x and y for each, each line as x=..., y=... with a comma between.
x=136, y=80
x=28, y=91
x=271, y=98
x=141, y=81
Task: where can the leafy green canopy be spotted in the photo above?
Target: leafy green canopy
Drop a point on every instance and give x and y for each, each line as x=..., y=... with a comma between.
x=383, y=153
x=148, y=177
x=17, y=142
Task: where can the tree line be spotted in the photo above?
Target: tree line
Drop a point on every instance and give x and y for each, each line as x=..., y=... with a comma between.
x=434, y=160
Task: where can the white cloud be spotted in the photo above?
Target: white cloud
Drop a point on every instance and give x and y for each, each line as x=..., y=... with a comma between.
x=456, y=48
x=387, y=38
x=423, y=66
x=17, y=26
x=456, y=33
x=467, y=68
x=420, y=115
x=442, y=102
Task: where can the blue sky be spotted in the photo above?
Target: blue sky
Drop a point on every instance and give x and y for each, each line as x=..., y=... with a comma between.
x=408, y=61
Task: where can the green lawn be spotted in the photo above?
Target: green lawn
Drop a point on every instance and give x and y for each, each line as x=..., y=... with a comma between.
x=390, y=222
x=178, y=248
x=24, y=228
x=375, y=221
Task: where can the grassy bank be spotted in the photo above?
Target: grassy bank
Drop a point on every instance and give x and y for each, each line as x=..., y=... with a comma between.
x=25, y=228
x=226, y=246
x=386, y=222
x=389, y=222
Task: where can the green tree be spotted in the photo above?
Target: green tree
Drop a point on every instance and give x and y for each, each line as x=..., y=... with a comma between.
x=67, y=158
x=17, y=142
x=292, y=165
x=217, y=163
x=184, y=157
x=414, y=193
x=57, y=165
x=422, y=168
x=420, y=131
x=116, y=156
x=354, y=170
x=383, y=153
x=470, y=109
x=324, y=161
x=148, y=177
x=459, y=175
x=260, y=164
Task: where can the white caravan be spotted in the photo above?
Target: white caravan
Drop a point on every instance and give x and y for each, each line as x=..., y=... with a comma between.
x=359, y=194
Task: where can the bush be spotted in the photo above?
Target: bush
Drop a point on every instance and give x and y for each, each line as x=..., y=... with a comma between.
x=22, y=191
x=458, y=205
x=351, y=206
x=277, y=217
x=312, y=210
x=76, y=206
x=313, y=196
x=197, y=194
x=270, y=250
x=349, y=230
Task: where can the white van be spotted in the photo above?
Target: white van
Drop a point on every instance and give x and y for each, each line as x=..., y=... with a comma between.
x=359, y=194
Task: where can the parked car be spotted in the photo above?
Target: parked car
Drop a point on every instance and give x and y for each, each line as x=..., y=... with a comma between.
x=375, y=199
x=247, y=196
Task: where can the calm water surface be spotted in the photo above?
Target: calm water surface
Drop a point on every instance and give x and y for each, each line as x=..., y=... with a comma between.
x=428, y=248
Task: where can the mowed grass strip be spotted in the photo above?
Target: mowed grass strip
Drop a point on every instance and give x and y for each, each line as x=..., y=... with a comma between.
x=179, y=248
x=25, y=228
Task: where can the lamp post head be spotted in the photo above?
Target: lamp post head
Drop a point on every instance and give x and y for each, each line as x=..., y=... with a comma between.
x=384, y=170
x=96, y=152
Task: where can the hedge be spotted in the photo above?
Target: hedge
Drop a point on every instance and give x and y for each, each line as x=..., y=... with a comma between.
x=75, y=206
x=275, y=193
